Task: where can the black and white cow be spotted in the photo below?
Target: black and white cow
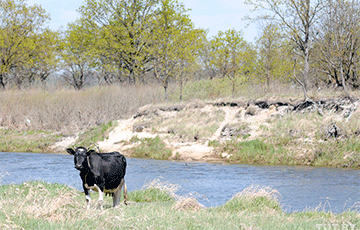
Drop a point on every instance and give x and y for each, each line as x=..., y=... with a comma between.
x=101, y=172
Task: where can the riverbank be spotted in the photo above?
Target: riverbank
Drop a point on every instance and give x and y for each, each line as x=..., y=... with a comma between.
x=321, y=132
x=34, y=205
x=283, y=132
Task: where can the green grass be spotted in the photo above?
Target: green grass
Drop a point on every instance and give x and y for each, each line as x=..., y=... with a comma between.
x=253, y=152
x=26, y=141
x=40, y=205
x=153, y=148
x=93, y=135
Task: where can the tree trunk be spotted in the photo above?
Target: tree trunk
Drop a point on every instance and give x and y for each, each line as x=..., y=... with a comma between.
x=2, y=81
x=343, y=81
x=306, y=72
x=181, y=90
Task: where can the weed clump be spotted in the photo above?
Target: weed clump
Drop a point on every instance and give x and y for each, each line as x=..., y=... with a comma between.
x=154, y=191
x=254, y=198
x=188, y=204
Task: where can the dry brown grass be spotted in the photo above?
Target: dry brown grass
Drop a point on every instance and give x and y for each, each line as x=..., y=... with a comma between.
x=71, y=110
x=188, y=204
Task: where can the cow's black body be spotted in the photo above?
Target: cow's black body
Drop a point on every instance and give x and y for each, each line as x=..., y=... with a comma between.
x=101, y=172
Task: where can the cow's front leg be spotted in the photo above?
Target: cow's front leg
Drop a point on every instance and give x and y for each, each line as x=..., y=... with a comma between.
x=100, y=190
x=87, y=197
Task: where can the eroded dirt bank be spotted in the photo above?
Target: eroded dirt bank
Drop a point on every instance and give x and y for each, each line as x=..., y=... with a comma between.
x=187, y=129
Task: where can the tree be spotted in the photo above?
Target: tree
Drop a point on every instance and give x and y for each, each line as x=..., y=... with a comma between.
x=273, y=59
x=125, y=27
x=298, y=18
x=78, y=54
x=174, y=41
x=20, y=25
x=205, y=58
x=233, y=57
x=338, y=42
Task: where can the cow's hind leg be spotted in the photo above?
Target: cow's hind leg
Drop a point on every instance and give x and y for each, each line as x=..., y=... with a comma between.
x=117, y=194
x=125, y=193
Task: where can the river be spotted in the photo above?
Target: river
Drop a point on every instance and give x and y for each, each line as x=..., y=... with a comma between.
x=301, y=187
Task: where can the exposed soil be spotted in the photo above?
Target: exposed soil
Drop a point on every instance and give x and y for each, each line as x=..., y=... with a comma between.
x=240, y=119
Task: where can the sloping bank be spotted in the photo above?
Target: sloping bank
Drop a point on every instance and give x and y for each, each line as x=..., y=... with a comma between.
x=318, y=133
x=283, y=132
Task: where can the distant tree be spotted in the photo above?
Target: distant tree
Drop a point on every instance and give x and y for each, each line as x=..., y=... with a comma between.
x=174, y=41
x=77, y=54
x=338, y=42
x=299, y=19
x=233, y=57
x=20, y=28
x=273, y=59
x=205, y=58
x=125, y=27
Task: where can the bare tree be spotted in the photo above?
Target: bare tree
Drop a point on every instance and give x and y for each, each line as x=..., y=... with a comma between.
x=298, y=18
x=338, y=42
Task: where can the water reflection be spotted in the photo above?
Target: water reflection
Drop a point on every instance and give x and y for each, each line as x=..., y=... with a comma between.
x=300, y=187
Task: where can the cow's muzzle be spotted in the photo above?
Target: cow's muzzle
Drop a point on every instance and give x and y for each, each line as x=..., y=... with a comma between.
x=78, y=167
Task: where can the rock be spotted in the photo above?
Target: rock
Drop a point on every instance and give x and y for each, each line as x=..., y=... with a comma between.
x=251, y=110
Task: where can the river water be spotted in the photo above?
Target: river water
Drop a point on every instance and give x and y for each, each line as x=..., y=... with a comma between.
x=301, y=188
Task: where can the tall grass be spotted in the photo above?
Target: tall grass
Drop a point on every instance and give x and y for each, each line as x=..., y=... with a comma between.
x=69, y=110
x=40, y=205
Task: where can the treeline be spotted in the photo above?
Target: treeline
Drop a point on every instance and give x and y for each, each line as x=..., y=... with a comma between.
x=312, y=43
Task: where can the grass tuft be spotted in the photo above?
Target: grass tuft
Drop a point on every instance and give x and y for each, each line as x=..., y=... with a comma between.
x=254, y=198
x=153, y=148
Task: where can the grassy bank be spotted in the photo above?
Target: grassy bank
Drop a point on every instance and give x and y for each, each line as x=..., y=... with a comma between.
x=39, y=205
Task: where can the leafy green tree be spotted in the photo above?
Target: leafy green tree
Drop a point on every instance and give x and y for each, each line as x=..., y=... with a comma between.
x=205, y=58
x=174, y=42
x=45, y=61
x=273, y=59
x=20, y=26
x=233, y=56
x=125, y=27
x=78, y=54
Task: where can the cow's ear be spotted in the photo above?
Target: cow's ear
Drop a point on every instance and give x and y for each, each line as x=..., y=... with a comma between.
x=70, y=151
x=88, y=153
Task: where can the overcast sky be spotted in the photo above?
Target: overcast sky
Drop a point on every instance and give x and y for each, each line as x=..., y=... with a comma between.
x=213, y=15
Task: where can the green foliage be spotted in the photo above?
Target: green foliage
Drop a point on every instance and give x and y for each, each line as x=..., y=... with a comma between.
x=26, y=141
x=78, y=53
x=274, y=61
x=125, y=28
x=174, y=41
x=153, y=148
x=255, y=152
x=233, y=56
x=95, y=134
x=21, y=28
x=150, y=195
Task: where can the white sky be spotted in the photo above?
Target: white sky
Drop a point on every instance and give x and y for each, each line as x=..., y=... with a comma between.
x=214, y=15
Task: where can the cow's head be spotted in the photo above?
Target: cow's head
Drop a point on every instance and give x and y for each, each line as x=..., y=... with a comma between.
x=80, y=157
